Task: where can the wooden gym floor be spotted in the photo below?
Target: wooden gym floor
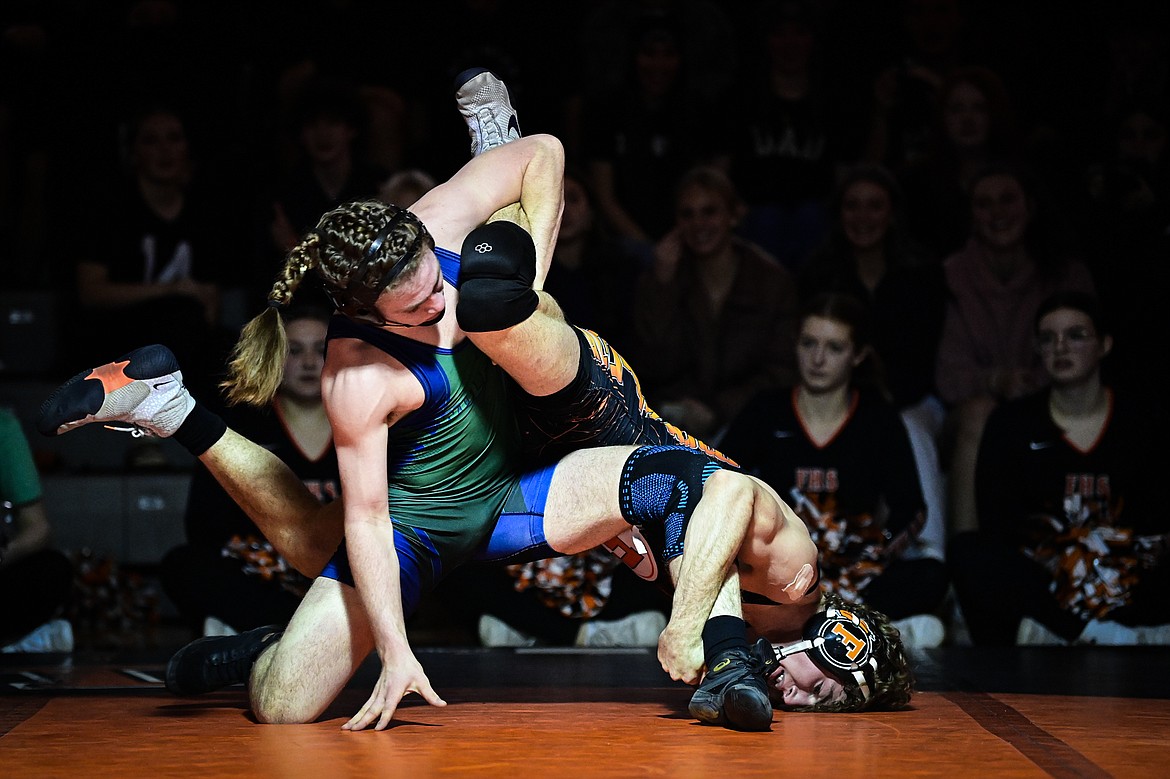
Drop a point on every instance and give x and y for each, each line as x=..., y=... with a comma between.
x=1029, y=712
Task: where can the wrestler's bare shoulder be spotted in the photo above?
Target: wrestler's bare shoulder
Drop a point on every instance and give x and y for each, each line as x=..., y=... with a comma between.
x=361, y=378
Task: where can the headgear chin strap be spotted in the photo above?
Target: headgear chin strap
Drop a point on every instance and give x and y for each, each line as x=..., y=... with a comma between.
x=842, y=645
x=359, y=297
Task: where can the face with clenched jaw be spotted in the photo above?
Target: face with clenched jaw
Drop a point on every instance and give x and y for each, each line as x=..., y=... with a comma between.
x=798, y=682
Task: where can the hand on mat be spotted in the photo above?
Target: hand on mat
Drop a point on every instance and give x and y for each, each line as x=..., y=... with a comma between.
x=400, y=675
x=681, y=654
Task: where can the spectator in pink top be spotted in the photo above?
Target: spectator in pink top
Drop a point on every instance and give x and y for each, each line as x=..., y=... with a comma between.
x=995, y=285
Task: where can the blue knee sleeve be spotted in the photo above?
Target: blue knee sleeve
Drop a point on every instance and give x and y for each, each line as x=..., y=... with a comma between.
x=663, y=484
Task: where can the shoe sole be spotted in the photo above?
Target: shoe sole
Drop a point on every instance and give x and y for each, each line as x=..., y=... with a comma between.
x=740, y=711
x=745, y=711
x=71, y=406
x=467, y=75
x=707, y=712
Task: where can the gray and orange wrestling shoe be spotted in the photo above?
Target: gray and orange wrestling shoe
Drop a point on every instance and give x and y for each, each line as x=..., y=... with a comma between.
x=141, y=393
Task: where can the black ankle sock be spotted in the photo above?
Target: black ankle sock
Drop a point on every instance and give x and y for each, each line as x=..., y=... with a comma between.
x=200, y=430
x=721, y=634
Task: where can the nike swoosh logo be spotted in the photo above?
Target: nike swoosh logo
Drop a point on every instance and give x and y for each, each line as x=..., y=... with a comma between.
x=1038, y=445
x=166, y=383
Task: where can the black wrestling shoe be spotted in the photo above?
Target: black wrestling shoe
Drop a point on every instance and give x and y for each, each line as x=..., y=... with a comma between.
x=763, y=651
x=734, y=693
x=208, y=664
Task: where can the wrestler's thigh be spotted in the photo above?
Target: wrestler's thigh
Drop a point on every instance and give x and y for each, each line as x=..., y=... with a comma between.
x=327, y=639
x=582, y=508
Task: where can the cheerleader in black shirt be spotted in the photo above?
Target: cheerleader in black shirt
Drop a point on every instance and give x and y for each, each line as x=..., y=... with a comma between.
x=837, y=450
x=228, y=573
x=1071, y=536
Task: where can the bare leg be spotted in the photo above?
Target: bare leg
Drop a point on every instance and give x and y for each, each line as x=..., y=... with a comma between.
x=329, y=636
x=583, y=510
x=705, y=575
x=144, y=391
x=728, y=602
x=706, y=626
x=305, y=532
x=541, y=353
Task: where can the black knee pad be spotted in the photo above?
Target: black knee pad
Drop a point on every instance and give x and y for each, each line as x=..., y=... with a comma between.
x=663, y=484
x=497, y=268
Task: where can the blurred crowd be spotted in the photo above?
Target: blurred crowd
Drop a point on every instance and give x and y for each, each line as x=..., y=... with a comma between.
x=859, y=245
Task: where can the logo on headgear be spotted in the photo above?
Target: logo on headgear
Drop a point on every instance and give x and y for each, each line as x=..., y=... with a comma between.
x=842, y=645
x=847, y=642
x=483, y=248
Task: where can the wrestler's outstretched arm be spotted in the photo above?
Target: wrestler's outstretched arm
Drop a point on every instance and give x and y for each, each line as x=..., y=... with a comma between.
x=364, y=393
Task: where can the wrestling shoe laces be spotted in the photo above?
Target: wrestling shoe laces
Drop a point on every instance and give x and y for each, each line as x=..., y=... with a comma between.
x=141, y=393
x=211, y=663
x=486, y=106
x=734, y=693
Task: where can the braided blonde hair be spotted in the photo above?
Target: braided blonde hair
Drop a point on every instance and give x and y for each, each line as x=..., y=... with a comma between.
x=337, y=249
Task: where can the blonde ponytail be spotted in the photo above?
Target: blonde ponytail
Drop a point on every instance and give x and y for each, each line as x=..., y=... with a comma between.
x=256, y=366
